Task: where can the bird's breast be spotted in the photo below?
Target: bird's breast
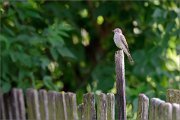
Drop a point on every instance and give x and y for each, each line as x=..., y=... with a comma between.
x=117, y=40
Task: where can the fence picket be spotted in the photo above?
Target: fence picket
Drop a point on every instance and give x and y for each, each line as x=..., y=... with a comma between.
x=52, y=105
x=158, y=102
x=167, y=111
x=159, y=109
x=14, y=103
x=143, y=106
x=89, y=111
x=32, y=104
x=21, y=104
x=152, y=109
x=101, y=107
x=71, y=105
x=43, y=104
x=61, y=113
x=110, y=106
x=176, y=111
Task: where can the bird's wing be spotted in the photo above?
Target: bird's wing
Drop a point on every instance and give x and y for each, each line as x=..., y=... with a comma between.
x=124, y=41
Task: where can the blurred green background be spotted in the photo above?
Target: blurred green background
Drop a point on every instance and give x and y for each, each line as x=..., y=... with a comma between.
x=68, y=46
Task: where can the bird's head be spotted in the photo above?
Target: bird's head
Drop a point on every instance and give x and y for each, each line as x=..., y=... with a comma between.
x=117, y=30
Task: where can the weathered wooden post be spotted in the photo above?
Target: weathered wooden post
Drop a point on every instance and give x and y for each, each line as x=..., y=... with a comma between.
x=17, y=102
x=89, y=110
x=120, y=85
x=43, y=104
x=173, y=96
x=101, y=107
x=32, y=102
x=143, y=105
x=110, y=106
x=70, y=99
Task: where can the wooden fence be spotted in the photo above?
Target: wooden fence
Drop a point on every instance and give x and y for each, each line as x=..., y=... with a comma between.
x=51, y=105
x=158, y=109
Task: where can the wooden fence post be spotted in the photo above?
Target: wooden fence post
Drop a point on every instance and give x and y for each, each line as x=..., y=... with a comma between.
x=110, y=106
x=152, y=109
x=89, y=111
x=61, y=106
x=173, y=96
x=101, y=107
x=71, y=105
x=43, y=104
x=52, y=104
x=176, y=111
x=120, y=85
x=156, y=111
x=32, y=104
x=18, y=105
x=167, y=111
x=14, y=103
x=159, y=109
x=143, y=106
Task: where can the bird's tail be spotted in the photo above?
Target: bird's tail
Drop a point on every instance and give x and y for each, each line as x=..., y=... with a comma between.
x=130, y=59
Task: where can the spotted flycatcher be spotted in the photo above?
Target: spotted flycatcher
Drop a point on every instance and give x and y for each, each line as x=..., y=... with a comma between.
x=121, y=43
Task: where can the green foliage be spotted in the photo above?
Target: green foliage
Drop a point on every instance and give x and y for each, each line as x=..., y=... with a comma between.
x=31, y=53
x=68, y=45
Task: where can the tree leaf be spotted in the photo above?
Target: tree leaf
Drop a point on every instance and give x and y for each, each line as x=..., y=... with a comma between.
x=65, y=52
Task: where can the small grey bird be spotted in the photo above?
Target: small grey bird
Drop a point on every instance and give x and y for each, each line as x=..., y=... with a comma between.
x=121, y=43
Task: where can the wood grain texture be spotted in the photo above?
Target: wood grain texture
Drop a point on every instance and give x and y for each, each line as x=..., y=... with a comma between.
x=32, y=101
x=101, y=107
x=21, y=104
x=52, y=104
x=159, y=109
x=120, y=85
x=152, y=109
x=89, y=111
x=143, y=106
x=14, y=103
x=167, y=111
x=71, y=105
x=61, y=113
x=43, y=104
x=176, y=111
x=110, y=106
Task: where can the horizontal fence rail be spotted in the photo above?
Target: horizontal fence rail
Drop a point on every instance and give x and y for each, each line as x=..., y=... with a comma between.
x=51, y=105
